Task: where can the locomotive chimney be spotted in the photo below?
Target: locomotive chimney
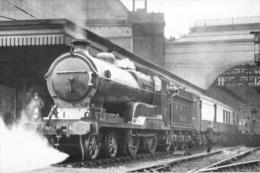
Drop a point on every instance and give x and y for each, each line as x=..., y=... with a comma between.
x=79, y=45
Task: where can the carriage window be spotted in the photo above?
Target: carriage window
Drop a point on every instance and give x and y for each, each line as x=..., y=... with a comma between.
x=234, y=118
x=224, y=116
x=228, y=117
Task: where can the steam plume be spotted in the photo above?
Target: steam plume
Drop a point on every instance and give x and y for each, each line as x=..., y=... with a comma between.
x=23, y=150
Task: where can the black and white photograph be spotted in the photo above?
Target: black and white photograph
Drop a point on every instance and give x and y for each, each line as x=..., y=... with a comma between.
x=92, y=86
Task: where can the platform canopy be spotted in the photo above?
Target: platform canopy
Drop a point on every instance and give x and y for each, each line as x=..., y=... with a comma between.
x=38, y=32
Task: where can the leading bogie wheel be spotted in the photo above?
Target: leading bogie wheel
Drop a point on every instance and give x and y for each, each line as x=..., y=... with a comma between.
x=175, y=146
x=182, y=145
x=91, y=147
x=168, y=143
x=111, y=144
x=151, y=143
x=133, y=145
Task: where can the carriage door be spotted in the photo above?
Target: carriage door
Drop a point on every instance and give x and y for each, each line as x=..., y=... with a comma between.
x=170, y=111
x=215, y=114
x=200, y=113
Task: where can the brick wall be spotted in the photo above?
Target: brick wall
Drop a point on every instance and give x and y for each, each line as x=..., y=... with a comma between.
x=148, y=36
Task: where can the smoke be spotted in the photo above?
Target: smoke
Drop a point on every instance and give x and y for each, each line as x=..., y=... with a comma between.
x=22, y=149
x=125, y=63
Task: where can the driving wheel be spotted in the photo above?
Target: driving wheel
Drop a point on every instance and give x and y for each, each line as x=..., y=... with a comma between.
x=92, y=147
x=111, y=144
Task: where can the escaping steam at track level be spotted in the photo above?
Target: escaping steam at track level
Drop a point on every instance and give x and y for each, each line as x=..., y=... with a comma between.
x=22, y=149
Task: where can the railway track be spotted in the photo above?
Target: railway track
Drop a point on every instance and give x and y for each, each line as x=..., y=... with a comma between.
x=169, y=165
x=229, y=165
x=118, y=161
x=115, y=161
x=250, y=166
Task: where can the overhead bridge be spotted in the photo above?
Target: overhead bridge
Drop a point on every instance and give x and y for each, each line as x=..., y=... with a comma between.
x=213, y=47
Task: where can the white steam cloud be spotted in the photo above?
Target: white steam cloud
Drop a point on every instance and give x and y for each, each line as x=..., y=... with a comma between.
x=125, y=63
x=23, y=150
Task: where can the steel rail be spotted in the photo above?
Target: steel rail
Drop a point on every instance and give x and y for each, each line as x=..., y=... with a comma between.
x=242, y=166
x=229, y=160
x=115, y=161
x=164, y=166
x=109, y=162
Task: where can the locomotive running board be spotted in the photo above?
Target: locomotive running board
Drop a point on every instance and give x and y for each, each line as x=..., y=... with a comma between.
x=127, y=126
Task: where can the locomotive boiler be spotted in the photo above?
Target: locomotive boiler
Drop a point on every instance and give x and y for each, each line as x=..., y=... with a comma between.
x=75, y=77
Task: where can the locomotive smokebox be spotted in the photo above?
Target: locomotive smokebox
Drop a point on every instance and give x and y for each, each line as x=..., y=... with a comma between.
x=71, y=79
x=70, y=76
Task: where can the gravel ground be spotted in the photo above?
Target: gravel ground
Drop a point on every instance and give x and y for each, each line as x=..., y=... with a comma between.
x=248, y=169
x=255, y=168
x=177, y=154
x=201, y=163
x=254, y=156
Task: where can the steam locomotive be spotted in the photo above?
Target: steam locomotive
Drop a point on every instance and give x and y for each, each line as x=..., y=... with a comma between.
x=106, y=106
